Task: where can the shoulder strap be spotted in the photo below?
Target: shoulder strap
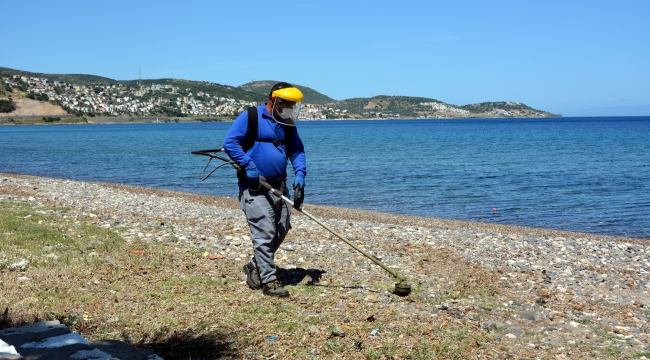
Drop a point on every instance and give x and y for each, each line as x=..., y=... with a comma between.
x=288, y=136
x=251, y=135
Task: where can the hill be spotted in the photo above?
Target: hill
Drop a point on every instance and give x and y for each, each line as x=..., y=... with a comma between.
x=263, y=87
x=195, y=87
x=383, y=106
x=29, y=107
x=91, y=94
x=77, y=79
x=186, y=86
x=504, y=108
x=389, y=106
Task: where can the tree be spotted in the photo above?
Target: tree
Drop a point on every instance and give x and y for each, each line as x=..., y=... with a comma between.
x=7, y=106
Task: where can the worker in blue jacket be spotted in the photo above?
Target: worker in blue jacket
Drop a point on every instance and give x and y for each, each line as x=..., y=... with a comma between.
x=276, y=141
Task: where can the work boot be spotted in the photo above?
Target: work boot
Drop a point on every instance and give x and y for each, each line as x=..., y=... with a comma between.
x=274, y=288
x=252, y=277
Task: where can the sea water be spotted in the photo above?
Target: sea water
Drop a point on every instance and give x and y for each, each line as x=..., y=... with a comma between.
x=576, y=174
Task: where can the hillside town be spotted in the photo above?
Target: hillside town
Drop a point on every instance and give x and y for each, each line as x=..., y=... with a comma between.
x=124, y=100
x=436, y=106
x=133, y=99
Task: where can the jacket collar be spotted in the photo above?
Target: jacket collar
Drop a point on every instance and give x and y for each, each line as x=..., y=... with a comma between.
x=265, y=112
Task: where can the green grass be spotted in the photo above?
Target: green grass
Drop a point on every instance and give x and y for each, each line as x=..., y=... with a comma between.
x=44, y=240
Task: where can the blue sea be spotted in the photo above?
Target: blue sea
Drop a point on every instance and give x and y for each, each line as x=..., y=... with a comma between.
x=577, y=174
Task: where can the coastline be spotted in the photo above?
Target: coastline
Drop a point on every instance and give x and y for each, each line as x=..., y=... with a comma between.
x=105, y=120
x=359, y=215
x=565, y=293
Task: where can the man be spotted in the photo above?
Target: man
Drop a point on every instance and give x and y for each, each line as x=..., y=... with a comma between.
x=276, y=141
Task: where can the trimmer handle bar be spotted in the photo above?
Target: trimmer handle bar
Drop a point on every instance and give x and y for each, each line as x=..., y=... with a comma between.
x=212, y=153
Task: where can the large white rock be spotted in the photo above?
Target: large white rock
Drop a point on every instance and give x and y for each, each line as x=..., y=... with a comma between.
x=6, y=349
x=57, y=341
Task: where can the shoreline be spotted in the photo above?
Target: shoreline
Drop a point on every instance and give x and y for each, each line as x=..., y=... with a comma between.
x=358, y=214
x=106, y=120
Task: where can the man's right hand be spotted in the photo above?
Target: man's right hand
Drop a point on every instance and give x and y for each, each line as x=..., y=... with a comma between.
x=253, y=178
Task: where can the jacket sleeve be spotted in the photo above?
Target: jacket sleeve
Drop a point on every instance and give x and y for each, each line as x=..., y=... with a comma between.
x=234, y=140
x=298, y=158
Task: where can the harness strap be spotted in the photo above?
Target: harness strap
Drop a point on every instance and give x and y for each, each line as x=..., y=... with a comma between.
x=251, y=135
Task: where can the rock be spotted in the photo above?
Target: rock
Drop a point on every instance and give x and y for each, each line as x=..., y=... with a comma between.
x=94, y=354
x=491, y=325
x=372, y=298
x=515, y=330
x=21, y=265
x=527, y=316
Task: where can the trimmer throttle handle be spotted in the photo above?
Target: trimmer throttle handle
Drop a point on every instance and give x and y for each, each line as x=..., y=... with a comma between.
x=267, y=186
x=298, y=197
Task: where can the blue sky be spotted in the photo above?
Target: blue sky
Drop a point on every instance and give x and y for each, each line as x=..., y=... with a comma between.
x=568, y=57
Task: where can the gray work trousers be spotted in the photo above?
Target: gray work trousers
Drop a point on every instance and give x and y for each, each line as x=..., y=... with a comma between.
x=269, y=219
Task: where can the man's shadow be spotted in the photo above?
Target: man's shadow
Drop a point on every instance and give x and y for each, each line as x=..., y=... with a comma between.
x=297, y=275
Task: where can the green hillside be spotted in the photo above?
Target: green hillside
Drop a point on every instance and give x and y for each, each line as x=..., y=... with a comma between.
x=194, y=86
x=177, y=96
x=187, y=86
x=77, y=79
x=504, y=106
x=405, y=106
x=263, y=88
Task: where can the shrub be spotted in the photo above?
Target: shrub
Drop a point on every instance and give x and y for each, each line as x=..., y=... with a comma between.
x=7, y=106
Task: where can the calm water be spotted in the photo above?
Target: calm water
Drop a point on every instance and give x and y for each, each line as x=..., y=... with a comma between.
x=577, y=174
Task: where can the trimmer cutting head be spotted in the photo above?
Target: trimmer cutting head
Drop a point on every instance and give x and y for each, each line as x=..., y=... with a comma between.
x=402, y=289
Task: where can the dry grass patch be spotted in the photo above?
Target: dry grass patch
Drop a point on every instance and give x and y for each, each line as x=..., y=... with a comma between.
x=183, y=305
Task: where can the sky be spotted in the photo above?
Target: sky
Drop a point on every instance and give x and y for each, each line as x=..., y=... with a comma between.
x=576, y=58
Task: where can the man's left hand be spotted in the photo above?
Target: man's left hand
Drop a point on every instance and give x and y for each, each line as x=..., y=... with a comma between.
x=299, y=181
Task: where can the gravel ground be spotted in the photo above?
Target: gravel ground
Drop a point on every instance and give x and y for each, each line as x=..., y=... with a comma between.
x=555, y=292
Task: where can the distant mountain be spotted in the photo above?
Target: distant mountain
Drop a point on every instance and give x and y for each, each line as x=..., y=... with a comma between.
x=263, y=88
x=382, y=106
x=505, y=106
x=419, y=107
x=202, y=86
x=77, y=79
x=387, y=106
x=193, y=86
x=400, y=106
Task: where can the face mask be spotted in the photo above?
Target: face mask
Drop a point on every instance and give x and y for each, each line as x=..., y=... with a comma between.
x=285, y=113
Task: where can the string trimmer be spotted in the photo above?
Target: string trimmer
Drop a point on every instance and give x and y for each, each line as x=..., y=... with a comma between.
x=402, y=288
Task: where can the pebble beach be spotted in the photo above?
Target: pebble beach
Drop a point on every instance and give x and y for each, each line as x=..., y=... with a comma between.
x=556, y=293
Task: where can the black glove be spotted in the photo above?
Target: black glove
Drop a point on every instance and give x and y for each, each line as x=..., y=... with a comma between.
x=298, y=197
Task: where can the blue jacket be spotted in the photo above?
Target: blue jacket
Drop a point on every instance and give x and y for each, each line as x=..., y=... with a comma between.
x=271, y=161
